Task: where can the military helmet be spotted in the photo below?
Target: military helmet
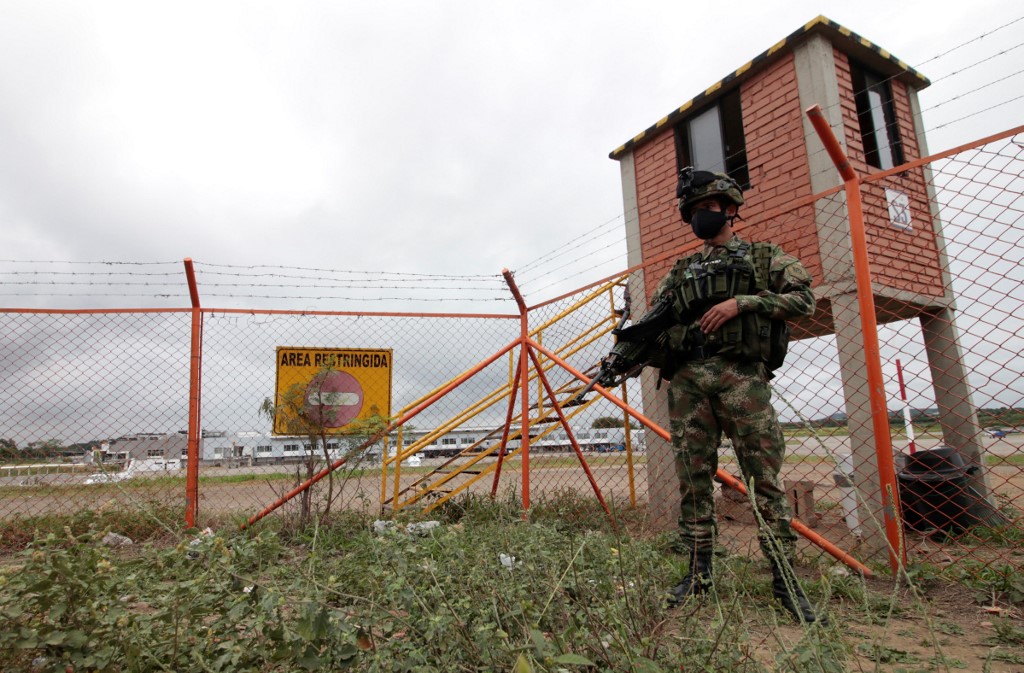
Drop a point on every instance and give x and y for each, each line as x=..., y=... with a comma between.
x=693, y=186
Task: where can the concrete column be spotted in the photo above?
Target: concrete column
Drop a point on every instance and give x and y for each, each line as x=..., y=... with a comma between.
x=631, y=211
x=662, y=483
x=853, y=370
x=957, y=414
x=818, y=84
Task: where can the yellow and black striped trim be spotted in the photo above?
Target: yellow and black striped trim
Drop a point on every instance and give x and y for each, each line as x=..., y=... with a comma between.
x=856, y=45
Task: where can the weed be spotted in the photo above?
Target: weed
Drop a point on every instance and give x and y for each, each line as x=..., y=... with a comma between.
x=950, y=629
x=144, y=522
x=939, y=662
x=817, y=654
x=998, y=654
x=923, y=574
x=1008, y=633
x=487, y=589
x=883, y=654
x=475, y=509
x=74, y=604
x=992, y=583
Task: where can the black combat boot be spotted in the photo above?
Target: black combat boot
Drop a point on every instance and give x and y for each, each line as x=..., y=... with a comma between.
x=787, y=590
x=697, y=580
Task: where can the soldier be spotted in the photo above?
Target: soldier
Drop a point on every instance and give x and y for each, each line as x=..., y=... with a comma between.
x=730, y=302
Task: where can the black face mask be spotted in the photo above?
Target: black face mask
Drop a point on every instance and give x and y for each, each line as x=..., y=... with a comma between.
x=706, y=224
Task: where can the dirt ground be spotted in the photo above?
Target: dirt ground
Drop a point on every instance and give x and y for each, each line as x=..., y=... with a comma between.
x=945, y=630
x=947, y=627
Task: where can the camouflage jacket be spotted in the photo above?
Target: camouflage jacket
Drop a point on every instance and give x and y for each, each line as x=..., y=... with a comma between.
x=787, y=293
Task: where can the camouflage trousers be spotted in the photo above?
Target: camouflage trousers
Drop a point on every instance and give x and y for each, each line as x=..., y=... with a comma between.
x=706, y=399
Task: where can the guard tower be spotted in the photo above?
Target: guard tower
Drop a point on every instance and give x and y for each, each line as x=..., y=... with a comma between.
x=752, y=125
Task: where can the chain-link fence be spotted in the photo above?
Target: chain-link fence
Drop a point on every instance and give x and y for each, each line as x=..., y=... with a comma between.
x=94, y=406
x=89, y=398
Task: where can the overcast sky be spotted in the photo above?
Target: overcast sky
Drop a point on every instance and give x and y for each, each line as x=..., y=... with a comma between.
x=426, y=137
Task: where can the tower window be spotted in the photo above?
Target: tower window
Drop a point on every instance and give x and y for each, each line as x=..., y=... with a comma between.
x=712, y=140
x=877, y=115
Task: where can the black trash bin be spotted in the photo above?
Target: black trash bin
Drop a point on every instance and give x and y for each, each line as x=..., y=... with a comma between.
x=934, y=493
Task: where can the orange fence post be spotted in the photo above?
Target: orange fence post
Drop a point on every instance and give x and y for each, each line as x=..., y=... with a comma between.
x=524, y=374
x=194, y=399
x=869, y=327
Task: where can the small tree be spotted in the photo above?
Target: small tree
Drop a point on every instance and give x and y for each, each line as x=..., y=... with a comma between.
x=611, y=422
x=8, y=450
x=296, y=416
x=43, y=449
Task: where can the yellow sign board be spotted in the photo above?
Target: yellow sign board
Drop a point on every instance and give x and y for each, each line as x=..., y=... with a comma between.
x=330, y=390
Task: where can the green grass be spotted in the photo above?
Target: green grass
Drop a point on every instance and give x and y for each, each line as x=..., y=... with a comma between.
x=574, y=597
x=1015, y=460
x=579, y=595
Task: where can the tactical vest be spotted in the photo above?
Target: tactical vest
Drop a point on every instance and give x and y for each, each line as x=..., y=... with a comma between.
x=697, y=284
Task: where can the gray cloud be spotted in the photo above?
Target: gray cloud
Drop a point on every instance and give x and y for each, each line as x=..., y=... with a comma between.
x=400, y=136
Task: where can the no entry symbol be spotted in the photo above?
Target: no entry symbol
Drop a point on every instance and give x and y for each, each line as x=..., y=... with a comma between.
x=334, y=398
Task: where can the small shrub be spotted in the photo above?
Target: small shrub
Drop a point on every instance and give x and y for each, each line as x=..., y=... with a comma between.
x=992, y=583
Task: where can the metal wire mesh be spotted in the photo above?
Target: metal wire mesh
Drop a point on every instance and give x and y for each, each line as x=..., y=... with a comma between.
x=87, y=400
x=87, y=395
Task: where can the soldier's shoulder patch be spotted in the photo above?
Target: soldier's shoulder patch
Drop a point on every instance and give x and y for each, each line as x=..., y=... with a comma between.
x=796, y=274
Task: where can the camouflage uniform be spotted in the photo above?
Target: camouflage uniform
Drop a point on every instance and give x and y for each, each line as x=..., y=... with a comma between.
x=719, y=394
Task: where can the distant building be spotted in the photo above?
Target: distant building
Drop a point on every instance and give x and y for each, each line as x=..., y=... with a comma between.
x=261, y=446
x=145, y=445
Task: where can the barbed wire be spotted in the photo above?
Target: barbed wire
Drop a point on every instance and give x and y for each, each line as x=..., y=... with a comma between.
x=561, y=250
x=394, y=277
x=977, y=38
x=167, y=274
x=975, y=114
x=85, y=295
x=216, y=281
x=493, y=298
x=972, y=91
x=614, y=250
x=185, y=295
x=216, y=284
x=64, y=261
x=362, y=273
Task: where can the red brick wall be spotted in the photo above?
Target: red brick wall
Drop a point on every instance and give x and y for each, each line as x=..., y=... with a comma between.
x=777, y=161
x=661, y=228
x=903, y=260
x=779, y=174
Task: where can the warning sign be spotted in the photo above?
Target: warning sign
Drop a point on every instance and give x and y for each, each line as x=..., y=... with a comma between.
x=330, y=389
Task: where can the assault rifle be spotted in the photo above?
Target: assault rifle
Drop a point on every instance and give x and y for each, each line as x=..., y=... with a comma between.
x=636, y=346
